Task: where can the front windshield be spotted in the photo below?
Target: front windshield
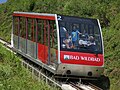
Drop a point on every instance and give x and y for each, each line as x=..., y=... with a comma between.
x=79, y=35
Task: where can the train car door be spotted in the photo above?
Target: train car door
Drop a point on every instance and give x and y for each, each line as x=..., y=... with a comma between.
x=43, y=41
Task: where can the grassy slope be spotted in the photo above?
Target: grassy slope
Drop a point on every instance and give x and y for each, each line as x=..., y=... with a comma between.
x=107, y=11
x=112, y=57
x=15, y=77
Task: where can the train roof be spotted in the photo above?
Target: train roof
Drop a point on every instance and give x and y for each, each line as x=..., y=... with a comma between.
x=35, y=15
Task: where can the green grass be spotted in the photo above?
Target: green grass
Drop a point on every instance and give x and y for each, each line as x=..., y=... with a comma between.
x=14, y=77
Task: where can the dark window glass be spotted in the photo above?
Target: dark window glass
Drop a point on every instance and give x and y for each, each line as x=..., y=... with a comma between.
x=40, y=31
x=31, y=29
x=22, y=27
x=53, y=35
x=80, y=35
x=46, y=27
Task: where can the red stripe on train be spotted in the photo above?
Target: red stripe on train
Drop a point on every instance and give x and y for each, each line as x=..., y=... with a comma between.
x=35, y=16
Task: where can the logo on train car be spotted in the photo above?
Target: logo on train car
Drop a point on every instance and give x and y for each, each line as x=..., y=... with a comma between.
x=85, y=58
x=66, y=57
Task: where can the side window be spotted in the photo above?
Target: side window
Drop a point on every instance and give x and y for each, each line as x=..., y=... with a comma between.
x=40, y=31
x=46, y=27
x=22, y=27
x=16, y=25
x=34, y=29
x=53, y=35
x=31, y=29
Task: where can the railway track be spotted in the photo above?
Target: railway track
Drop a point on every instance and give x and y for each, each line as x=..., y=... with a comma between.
x=41, y=74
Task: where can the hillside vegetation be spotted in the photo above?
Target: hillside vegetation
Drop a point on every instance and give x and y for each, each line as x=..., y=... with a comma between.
x=14, y=77
x=107, y=11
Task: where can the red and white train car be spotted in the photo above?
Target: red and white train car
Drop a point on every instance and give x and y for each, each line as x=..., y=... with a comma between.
x=64, y=45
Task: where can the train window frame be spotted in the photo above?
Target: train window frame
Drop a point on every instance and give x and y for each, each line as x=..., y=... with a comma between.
x=84, y=24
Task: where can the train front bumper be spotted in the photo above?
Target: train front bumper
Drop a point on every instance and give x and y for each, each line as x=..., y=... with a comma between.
x=79, y=70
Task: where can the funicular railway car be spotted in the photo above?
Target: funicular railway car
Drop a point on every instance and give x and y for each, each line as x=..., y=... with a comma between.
x=64, y=45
